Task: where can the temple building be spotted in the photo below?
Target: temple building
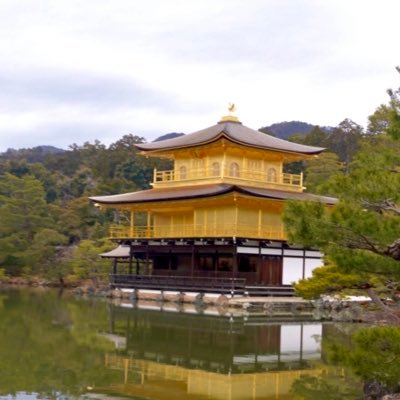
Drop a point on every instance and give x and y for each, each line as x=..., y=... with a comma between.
x=217, y=213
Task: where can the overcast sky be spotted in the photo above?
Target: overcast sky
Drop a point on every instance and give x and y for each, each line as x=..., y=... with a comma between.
x=78, y=70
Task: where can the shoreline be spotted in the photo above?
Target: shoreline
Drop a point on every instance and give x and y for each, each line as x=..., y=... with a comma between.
x=334, y=309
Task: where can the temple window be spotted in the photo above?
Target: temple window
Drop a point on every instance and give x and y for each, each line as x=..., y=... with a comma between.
x=198, y=166
x=198, y=163
x=271, y=175
x=254, y=165
x=215, y=169
x=182, y=172
x=234, y=170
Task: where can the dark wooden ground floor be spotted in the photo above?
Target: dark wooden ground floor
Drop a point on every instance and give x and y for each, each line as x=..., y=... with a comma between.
x=253, y=262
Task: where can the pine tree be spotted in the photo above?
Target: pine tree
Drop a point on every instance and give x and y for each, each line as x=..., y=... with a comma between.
x=361, y=233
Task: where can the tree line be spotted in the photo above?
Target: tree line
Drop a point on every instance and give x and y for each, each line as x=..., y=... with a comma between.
x=48, y=227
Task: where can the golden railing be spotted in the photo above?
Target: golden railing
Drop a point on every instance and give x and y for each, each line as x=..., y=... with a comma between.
x=200, y=383
x=197, y=231
x=288, y=181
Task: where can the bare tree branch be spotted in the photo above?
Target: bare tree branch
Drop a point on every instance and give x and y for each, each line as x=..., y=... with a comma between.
x=393, y=250
x=385, y=205
x=355, y=240
x=387, y=310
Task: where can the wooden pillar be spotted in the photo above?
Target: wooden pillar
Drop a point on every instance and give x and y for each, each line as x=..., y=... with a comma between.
x=260, y=264
x=126, y=364
x=215, y=227
x=130, y=259
x=194, y=230
x=147, y=259
x=148, y=227
x=132, y=223
x=277, y=386
x=193, y=261
x=137, y=266
x=114, y=266
x=205, y=227
x=259, y=222
x=169, y=260
x=235, y=261
x=236, y=227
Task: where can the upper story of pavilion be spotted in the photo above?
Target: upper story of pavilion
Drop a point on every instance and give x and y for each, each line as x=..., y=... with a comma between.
x=229, y=152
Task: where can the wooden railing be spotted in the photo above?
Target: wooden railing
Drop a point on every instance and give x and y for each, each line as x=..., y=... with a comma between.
x=285, y=181
x=198, y=231
x=179, y=283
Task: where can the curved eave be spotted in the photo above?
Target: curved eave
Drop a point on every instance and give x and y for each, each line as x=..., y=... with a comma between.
x=206, y=191
x=160, y=152
x=170, y=149
x=233, y=131
x=284, y=195
x=163, y=195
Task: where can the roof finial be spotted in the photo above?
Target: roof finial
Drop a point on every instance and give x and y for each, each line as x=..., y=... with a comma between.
x=230, y=117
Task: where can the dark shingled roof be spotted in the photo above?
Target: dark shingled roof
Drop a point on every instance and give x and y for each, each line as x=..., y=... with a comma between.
x=191, y=192
x=233, y=131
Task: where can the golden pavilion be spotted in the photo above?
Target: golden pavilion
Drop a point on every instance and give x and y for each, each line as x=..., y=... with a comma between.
x=215, y=219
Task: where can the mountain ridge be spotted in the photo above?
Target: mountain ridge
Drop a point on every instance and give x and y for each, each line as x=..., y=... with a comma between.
x=283, y=130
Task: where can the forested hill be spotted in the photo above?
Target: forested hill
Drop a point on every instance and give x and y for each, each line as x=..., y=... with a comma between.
x=34, y=154
x=284, y=130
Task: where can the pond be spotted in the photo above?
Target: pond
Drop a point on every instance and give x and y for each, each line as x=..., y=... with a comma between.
x=59, y=346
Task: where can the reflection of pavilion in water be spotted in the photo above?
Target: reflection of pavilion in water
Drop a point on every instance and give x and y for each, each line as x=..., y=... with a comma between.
x=195, y=355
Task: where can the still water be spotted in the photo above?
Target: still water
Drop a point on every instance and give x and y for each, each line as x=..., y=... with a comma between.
x=61, y=347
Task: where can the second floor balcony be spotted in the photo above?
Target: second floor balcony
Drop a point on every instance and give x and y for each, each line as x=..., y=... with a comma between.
x=270, y=178
x=194, y=231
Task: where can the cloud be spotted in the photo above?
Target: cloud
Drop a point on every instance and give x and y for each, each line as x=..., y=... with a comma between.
x=72, y=69
x=62, y=131
x=39, y=88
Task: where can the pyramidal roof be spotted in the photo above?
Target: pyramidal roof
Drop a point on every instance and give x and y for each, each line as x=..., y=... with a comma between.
x=234, y=131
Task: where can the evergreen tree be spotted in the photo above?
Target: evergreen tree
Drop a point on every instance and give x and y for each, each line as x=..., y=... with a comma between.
x=23, y=214
x=345, y=141
x=379, y=120
x=319, y=170
x=361, y=234
x=394, y=112
x=317, y=137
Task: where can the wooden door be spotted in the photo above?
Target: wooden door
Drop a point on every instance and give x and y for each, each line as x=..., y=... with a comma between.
x=271, y=270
